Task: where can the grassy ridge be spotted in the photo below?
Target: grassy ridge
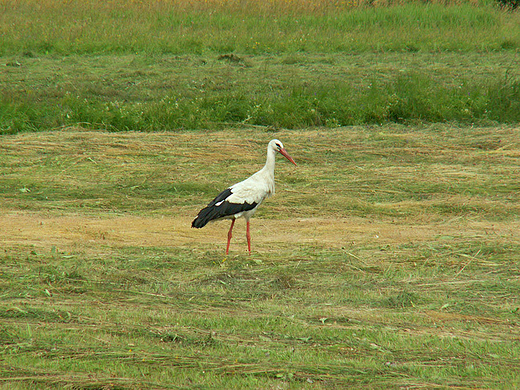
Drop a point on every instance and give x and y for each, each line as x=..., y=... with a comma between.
x=250, y=27
x=290, y=91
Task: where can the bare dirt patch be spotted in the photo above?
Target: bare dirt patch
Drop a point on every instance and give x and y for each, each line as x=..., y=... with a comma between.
x=40, y=230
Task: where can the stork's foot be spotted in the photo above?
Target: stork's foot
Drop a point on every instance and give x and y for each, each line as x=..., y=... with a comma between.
x=223, y=262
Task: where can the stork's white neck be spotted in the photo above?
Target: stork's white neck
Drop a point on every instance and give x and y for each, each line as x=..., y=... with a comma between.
x=271, y=159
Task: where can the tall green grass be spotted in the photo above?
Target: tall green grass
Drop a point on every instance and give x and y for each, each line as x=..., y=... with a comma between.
x=209, y=94
x=55, y=76
x=80, y=27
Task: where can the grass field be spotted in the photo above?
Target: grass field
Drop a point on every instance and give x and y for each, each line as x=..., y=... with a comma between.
x=151, y=66
x=389, y=257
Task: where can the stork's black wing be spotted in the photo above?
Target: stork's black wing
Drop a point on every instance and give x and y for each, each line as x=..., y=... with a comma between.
x=220, y=207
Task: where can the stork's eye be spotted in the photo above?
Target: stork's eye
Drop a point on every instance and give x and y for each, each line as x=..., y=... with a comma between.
x=278, y=146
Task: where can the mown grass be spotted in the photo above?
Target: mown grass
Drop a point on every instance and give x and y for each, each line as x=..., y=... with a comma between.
x=448, y=171
x=389, y=257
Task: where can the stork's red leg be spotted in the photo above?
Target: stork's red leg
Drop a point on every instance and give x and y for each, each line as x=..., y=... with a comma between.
x=229, y=235
x=248, y=235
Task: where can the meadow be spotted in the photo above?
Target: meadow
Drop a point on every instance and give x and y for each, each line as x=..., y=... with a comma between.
x=151, y=66
x=389, y=257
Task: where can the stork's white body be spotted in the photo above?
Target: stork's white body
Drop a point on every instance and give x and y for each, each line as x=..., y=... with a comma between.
x=255, y=188
x=242, y=199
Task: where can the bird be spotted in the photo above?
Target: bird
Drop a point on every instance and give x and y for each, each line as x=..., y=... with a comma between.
x=243, y=199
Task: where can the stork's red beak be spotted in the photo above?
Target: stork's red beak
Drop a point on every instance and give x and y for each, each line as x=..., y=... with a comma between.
x=284, y=153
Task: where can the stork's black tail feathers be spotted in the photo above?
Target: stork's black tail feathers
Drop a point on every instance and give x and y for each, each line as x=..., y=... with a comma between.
x=207, y=214
x=220, y=208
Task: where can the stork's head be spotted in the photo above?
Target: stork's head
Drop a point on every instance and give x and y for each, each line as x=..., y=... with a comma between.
x=277, y=146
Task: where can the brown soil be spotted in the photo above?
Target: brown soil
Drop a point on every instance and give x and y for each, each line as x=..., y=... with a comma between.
x=70, y=231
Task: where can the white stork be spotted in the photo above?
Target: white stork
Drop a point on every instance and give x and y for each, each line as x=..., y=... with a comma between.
x=242, y=199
